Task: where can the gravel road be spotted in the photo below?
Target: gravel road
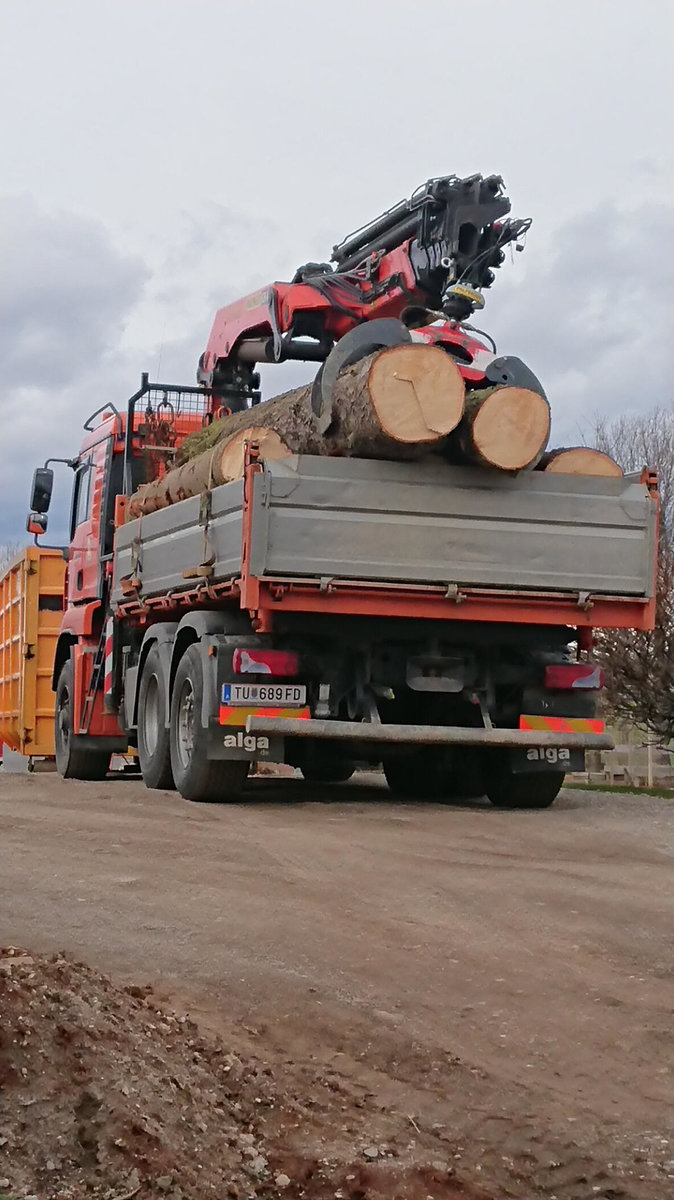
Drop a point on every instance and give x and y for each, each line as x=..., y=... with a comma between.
x=501, y=982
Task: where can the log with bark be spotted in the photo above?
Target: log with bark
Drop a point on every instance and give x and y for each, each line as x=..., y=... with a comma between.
x=219, y=465
x=395, y=404
x=503, y=427
x=579, y=460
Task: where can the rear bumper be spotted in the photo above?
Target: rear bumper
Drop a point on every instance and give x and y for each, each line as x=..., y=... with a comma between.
x=424, y=735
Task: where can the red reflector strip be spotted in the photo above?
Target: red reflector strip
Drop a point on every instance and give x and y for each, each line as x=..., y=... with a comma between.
x=265, y=662
x=233, y=715
x=574, y=675
x=562, y=724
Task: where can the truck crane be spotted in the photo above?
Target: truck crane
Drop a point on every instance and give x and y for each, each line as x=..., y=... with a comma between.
x=415, y=273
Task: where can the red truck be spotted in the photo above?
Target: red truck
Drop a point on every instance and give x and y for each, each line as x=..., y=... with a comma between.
x=329, y=612
x=326, y=612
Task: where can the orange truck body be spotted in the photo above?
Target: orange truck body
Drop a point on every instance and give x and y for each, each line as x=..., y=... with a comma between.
x=31, y=611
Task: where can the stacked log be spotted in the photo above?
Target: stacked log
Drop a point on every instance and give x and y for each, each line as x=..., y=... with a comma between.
x=399, y=403
x=506, y=428
x=396, y=404
x=222, y=464
x=579, y=460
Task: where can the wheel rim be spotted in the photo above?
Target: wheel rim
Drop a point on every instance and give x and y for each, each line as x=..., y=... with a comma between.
x=63, y=722
x=185, y=724
x=151, y=716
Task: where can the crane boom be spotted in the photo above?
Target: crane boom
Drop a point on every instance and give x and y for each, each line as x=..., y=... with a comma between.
x=425, y=263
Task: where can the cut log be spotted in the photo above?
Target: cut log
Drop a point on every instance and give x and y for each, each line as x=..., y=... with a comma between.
x=393, y=404
x=289, y=416
x=503, y=427
x=579, y=460
x=223, y=463
x=409, y=395
x=416, y=397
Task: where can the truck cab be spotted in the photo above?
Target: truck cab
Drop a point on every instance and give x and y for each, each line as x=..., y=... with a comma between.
x=120, y=450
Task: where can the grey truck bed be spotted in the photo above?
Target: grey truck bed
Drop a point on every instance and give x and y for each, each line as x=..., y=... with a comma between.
x=430, y=523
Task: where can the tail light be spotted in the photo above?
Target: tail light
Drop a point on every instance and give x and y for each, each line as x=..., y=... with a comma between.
x=574, y=675
x=265, y=662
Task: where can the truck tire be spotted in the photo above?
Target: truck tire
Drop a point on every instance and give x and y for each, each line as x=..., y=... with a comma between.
x=464, y=779
x=154, y=739
x=210, y=781
x=536, y=790
x=72, y=763
x=327, y=770
x=415, y=776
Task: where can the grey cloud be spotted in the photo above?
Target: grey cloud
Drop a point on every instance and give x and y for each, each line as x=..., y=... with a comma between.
x=46, y=421
x=221, y=236
x=221, y=255
x=594, y=317
x=67, y=293
x=590, y=318
x=69, y=302
x=67, y=296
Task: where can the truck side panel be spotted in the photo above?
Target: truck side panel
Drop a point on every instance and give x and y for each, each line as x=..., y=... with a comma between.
x=160, y=547
x=31, y=608
x=406, y=522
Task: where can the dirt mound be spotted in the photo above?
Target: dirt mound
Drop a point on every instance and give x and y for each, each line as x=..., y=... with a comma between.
x=108, y=1093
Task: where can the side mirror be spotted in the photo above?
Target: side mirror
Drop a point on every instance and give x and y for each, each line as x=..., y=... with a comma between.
x=37, y=523
x=40, y=496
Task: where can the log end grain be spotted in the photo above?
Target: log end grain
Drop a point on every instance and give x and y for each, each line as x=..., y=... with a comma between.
x=417, y=392
x=223, y=463
x=233, y=456
x=580, y=460
x=511, y=428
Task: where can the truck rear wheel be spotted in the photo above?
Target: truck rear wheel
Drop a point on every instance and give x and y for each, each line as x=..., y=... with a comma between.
x=197, y=777
x=433, y=774
x=508, y=790
x=154, y=740
x=416, y=776
x=327, y=770
x=71, y=762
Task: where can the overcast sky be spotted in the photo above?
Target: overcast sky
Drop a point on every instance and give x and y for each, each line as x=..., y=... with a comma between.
x=162, y=157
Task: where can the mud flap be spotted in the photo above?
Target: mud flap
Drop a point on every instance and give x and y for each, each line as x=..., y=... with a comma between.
x=545, y=758
x=232, y=741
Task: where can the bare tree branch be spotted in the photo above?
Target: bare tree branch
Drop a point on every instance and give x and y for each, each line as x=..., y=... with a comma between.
x=639, y=667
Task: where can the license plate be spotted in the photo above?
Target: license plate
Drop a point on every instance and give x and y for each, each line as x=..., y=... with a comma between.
x=272, y=695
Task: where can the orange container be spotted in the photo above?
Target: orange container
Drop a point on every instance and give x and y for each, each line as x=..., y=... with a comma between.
x=31, y=608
